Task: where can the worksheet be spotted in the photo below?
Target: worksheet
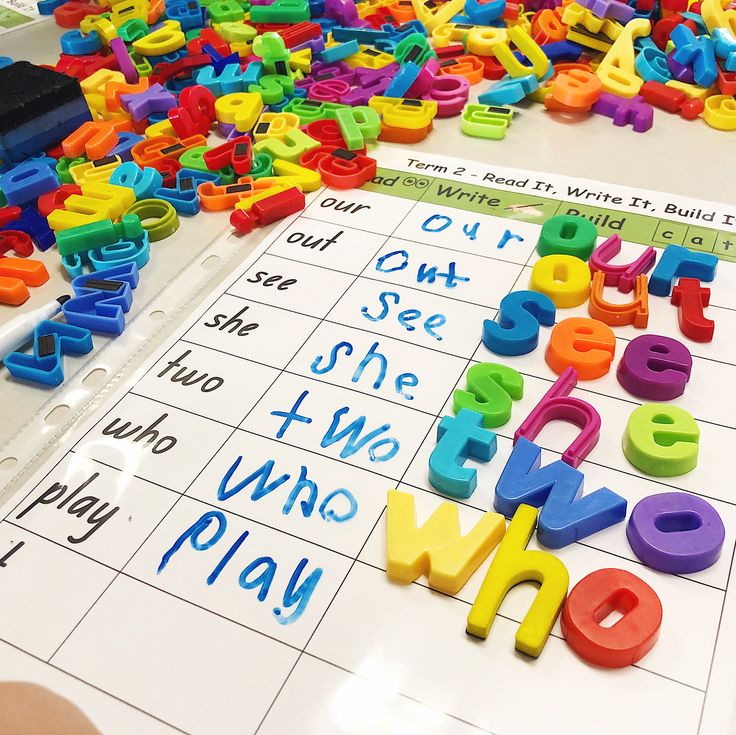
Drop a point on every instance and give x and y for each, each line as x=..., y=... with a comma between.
x=16, y=13
x=207, y=553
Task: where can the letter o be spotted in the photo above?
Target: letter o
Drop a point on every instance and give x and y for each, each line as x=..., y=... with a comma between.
x=564, y=278
x=676, y=532
x=168, y=440
x=592, y=599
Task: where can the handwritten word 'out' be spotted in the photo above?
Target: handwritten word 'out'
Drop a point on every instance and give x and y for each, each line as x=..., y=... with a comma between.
x=398, y=260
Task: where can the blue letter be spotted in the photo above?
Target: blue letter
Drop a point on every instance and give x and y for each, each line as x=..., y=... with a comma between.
x=507, y=237
x=330, y=515
x=443, y=226
x=370, y=355
x=299, y=596
x=264, y=579
x=307, y=505
x=226, y=558
x=430, y=275
x=355, y=442
x=459, y=438
x=435, y=321
x=556, y=487
x=333, y=358
x=292, y=415
x=383, y=296
x=517, y=329
x=384, y=258
x=192, y=533
x=405, y=380
x=263, y=486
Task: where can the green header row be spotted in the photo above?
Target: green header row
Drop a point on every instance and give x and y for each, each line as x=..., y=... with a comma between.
x=638, y=228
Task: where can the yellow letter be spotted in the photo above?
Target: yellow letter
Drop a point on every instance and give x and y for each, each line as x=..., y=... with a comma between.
x=564, y=278
x=512, y=565
x=436, y=549
x=617, y=72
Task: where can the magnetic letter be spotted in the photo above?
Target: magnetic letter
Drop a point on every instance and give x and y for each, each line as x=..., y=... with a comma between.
x=593, y=599
x=661, y=440
x=511, y=565
x=436, y=549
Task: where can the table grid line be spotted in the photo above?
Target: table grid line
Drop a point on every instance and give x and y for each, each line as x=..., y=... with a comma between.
x=418, y=582
x=302, y=651
x=444, y=352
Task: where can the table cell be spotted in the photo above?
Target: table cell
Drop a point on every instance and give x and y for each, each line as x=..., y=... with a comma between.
x=379, y=366
x=155, y=442
x=329, y=245
x=46, y=590
x=359, y=209
x=244, y=328
x=188, y=667
x=361, y=430
x=206, y=382
x=459, y=276
x=304, y=494
x=496, y=237
x=110, y=715
x=287, y=284
x=492, y=686
x=319, y=698
x=420, y=318
x=97, y=511
x=257, y=576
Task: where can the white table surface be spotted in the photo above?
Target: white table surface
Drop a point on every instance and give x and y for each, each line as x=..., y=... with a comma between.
x=676, y=156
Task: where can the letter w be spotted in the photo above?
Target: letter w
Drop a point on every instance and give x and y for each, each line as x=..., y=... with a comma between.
x=263, y=486
x=436, y=550
x=557, y=489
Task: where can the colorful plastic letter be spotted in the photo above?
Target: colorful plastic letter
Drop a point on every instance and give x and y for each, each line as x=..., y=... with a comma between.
x=661, y=440
x=564, y=278
x=556, y=403
x=622, y=275
x=655, y=368
x=517, y=330
x=96, y=139
x=691, y=297
x=697, y=52
x=677, y=261
x=567, y=234
x=538, y=63
x=459, y=438
x=437, y=549
x=584, y=344
x=490, y=390
x=27, y=181
x=635, y=312
x=617, y=71
x=634, y=111
x=512, y=565
x=566, y=517
x=51, y=340
x=676, y=533
x=593, y=599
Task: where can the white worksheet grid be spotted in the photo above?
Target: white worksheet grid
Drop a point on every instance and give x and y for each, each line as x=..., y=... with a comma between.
x=202, y=646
